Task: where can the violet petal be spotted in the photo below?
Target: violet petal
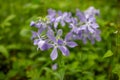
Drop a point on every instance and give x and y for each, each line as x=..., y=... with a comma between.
x=54, y=54
x=64, y=50
x=71, y=44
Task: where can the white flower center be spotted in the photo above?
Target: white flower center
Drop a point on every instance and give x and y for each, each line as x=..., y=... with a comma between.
x=88, y=24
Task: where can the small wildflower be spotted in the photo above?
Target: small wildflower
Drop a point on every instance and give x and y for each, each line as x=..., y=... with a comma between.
x=91, y=11
x=83, y=27
x=54, y=66
x=32, y=23
x=59, y=43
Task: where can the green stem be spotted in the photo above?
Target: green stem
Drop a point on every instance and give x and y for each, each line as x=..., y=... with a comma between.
x=61, y=68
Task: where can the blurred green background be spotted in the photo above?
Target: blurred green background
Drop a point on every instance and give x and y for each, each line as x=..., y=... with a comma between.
x=20, y=60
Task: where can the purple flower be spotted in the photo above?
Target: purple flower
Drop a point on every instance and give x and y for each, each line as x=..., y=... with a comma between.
x=74, y=25
x=40, y=23
x=95, y=36
x=51, y=12
x=37, y=25
x=38, y=33
x=40, y=39
x=34, y=35
x=80, y=16
x=62, y=19
x=54, y=66
x=59, y=17
x=51, y=15
x=91, y=11
x=42, y=45
x=32, y=23
x=59, y=43
x=84, y=35
x=88, y=23
x=81, y=27
x=55, y=44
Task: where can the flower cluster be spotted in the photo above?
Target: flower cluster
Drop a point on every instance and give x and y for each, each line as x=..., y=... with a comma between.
x=50, y=32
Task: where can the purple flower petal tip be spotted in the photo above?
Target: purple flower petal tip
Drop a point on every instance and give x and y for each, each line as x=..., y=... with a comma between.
x=72, y=44
x=32, y=23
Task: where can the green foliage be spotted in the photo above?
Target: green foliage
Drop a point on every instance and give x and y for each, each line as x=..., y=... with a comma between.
x=108, y=54
x=116, y=70
x=4, y=51
x=20, y=60
x=6, y=22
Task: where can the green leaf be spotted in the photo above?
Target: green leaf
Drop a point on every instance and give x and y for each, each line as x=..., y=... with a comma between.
x=34, y=74
x=116, y=70
x=10, y=17
x=4, y=51
x=11, y=73
x=31, y=6
x=23, y=32
x=108, y=54
x=7, y=22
